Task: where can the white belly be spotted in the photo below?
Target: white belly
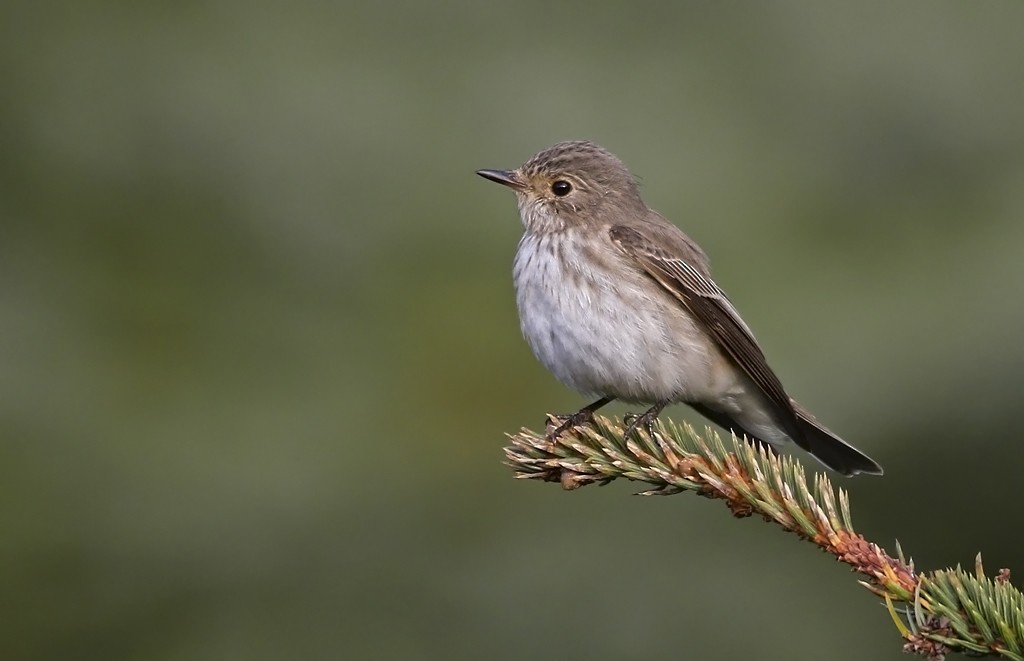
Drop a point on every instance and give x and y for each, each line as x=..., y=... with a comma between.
x=613, y=335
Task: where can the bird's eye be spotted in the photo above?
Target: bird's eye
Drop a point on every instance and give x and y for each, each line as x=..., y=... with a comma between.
x=561, y=187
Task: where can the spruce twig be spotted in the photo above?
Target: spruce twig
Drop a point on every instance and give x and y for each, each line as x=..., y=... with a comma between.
x=949, y=610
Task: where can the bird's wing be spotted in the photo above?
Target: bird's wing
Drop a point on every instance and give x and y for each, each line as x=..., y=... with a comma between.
x=712, y=309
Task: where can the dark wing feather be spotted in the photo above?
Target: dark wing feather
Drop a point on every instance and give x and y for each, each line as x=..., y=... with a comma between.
x=710, y=306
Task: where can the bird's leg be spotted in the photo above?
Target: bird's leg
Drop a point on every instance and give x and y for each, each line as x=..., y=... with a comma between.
x=646, y=419
x=584, y=416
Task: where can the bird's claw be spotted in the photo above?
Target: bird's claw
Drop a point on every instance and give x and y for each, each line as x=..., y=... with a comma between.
x=634, y=422
x=585, y=416
x=645, y=419
x=569, y=421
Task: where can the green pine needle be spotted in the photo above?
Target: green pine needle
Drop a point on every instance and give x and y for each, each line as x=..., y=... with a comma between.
x=944, y=611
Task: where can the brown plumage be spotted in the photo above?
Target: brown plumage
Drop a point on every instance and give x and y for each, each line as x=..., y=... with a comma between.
x=618, y=302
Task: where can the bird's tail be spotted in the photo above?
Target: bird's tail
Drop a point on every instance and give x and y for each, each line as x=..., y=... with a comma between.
x=826, y=447
x=831, y=450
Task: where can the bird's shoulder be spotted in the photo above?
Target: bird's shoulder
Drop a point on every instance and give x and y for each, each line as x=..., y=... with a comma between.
x=660, y=239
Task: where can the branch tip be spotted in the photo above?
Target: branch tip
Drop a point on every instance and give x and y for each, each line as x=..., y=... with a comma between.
x=944, y=611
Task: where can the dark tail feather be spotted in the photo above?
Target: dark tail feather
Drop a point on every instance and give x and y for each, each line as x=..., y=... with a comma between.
x=829, y=449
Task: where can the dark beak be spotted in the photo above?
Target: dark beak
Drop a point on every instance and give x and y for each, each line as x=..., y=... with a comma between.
x=504, y=177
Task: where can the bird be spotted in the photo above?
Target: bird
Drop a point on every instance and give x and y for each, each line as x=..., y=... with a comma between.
x=617, y=302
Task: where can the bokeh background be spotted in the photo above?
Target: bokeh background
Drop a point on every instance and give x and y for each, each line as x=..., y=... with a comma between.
x=259, y=345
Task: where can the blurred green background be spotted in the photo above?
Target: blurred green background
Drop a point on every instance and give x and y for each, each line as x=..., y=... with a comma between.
x=259, y=345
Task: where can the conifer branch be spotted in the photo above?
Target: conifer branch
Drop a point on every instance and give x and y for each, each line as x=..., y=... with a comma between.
x=949, y=610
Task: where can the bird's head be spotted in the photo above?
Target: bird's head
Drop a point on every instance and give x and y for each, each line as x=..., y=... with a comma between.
x=570, y=184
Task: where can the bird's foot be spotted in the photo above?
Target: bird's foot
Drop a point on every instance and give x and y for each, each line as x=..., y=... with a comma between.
x=569, y=421
x=585, y=416
x=645, y=420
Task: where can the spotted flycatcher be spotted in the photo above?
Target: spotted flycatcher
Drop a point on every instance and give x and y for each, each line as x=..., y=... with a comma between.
x=617, y=302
